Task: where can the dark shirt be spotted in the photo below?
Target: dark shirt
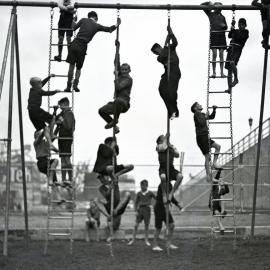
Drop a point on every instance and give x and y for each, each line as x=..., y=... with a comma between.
x=88, y=28
x=42, y=148
x=93, y=212
x=123, y=88
x=36, y=94
x=162, y=157
x=104, y=157
x=143, y=199
x=159, y=198
x=67, y=127
x=239, y=36
x=201, y=122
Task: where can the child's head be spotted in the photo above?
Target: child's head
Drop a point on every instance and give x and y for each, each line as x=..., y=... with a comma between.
x=63, y=103
x=36, y=82
x=93, y=15
x=218, y=4
x=144, y=185
x=242, y=23
x=196, y=107
x=156, y=49
x=125, y=69
x=110, y=141
x=160, y=139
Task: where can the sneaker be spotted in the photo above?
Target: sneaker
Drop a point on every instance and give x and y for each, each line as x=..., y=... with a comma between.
x=130, y=242
x=116, y=130
x=75, y=85
x=147, y=243
x=173, y=247
x=157, y=248
x=68, y=88
x=173, y=115
x=58, y=58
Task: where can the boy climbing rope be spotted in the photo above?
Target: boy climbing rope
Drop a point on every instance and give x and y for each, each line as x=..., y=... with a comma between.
x=38, y=116
x=162, y=148
x=265, y=15
x=168, y=86
x=77, y=49
x=123, y=85
x=238, y=40
x=67, y=11
x=202, y=136
x=218, y=25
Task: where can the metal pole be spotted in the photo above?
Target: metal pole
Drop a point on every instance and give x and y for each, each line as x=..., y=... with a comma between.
x=5, y=248
x=21, y=127
x=6, y=52
x=259, y=140
x=130, y=6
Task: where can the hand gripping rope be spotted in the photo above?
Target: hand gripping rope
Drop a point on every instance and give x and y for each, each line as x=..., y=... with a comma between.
x=116, y=71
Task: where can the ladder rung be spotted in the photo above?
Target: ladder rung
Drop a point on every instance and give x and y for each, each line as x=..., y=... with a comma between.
x=217, y=92
x=223, y=153
x=219, y=61
x=219, y=122
x=60, y=217
x=63, y=154
x=56, y=44
x=220, y=107
x=60, y=170
x=218, y=77
x=61, y=201
x=59, y=234
x=52, y=60
x=63, y=29
x=61, y=76
x=229, y=184
x=227, y=215
x=219, y=31
x=221, y=138
x=225, y=231
x=225, y=200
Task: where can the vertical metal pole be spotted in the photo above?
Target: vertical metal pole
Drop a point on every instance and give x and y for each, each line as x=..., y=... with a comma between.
x=21, y=126
x=259, y=140
x=5, y=248
x=3, y=69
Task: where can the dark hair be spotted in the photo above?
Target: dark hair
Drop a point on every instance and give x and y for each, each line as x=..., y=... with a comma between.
x=92, y=14
x=193, y=106
x=159, y=139
x=155, y=46
x=144, y=181
x=63, y=100
x=108, y=140
x=243, y=20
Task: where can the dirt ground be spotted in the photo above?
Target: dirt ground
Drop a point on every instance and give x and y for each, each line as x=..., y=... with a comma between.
x=192, y=254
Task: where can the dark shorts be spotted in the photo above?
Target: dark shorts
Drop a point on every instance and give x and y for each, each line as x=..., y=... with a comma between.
x=92, y=225
x=144, y=214
x=42, y=164
x=172, y=172
x=203, y=143
x=233, y=54
x=65, y=147
x=39, y=118
x=160, y=216
x=65, y=21
x=76, y=53
x=218, y=40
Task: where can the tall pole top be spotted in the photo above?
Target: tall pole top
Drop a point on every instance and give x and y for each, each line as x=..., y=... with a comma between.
x=129, y=6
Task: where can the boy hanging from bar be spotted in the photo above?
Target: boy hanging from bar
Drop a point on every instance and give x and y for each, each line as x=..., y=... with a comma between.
x=67, y=12
x=66, y=126
x=219, y=189
x=88, y=27
x=160, y=217
x=121, y=103
x=265, y=16
x=37, y=115
x=238, y=40
x=168, y=87
x=202, y=136
x=108, y=177
x=162, y=148
x=218, y=25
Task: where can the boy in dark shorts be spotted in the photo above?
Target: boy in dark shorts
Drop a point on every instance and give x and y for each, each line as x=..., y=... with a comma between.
x=160, y=217
x=121, y=103
x=162, y=148
x=202, y=136
x=38, y=116
x=238, y=40
x=92, y=221
x=66, y=126
x=67, y=11
x=219, y=188
x=77, y=49
x=218, y=25
x=168, y=88
x=104, y=162
x=143, y=210
x=265, y=15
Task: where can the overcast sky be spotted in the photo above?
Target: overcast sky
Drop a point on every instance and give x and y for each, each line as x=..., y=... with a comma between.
x=146, y=119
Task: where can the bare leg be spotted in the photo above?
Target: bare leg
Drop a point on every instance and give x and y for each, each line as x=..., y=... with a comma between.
x=176, y=185
x=156, y=237
x=127, y=168
x=87, y=232
x=235, y=74
x=122, y=203
x=52, y=171
x=214, y=59
x=164, y=187
x=146, y=234
x=217, y=150
x=220, y=225
x=207, y=167
x=134, y=234
x=221, y=58
x=60, y=48
x=170, y=235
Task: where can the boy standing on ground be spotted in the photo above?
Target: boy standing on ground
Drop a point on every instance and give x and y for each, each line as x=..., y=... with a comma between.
x=77, y=49
x=238, y=39
x=67, y=11
x=160, y=217
x=38, y=116
x=168, y=87
x=143, y=210
x=202, y=136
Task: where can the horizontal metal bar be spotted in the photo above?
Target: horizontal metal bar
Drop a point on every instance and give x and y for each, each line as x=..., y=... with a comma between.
x=59, y=234
x=56, y=44
x=52, y=60
x=227, y=215
x=61, y=76
x=60, y=170
x=220, y=107
x=219, y=122
x=61, y=201
x=219, y=61
x=60, y=217
x=130, y=6
x=223, y=200
x=218, y=77
x=220, y=31
x=62, y=29
x=226, y=153
x=225, y=231
x=221, y=138
x=62, y=154
x=217, y=92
